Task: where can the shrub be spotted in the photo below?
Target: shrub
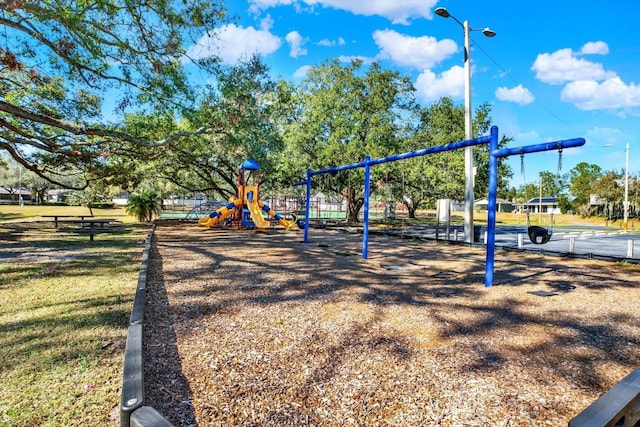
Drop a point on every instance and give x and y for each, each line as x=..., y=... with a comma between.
x=144, y=205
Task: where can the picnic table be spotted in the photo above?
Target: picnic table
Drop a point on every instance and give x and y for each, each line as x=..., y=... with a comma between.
x=55, y=218
x=92, y=226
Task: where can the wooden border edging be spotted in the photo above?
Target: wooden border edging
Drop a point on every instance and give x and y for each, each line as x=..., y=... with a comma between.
x=132, y=396
x=148, y=417
x=619, y=406
x=132, y=411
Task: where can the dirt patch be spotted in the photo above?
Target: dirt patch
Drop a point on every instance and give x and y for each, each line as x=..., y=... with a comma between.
x=246, y=328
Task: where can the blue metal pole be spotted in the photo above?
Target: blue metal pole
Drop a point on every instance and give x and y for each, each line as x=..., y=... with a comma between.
x=408, y=155
x=307, y=208
x=491, y=209
x=556, y=145
x=367, y=190
x=494, y=154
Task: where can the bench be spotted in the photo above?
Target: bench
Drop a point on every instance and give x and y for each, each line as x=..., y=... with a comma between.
x=56, y=220
x=93, y=227
x=619, y=406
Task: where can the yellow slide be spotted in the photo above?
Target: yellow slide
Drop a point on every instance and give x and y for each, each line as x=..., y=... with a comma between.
x=256, y=208
x=256, y=214
x=221, y=214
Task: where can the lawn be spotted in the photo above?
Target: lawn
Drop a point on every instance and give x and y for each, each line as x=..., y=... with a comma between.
x=64, y=311
x=35, y=212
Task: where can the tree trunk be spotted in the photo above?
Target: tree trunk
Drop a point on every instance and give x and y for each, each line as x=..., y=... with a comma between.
x=412, y=211
x=354, y=210
x=354, y=206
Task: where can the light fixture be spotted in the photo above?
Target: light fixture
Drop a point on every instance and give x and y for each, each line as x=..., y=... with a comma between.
x=468, y=153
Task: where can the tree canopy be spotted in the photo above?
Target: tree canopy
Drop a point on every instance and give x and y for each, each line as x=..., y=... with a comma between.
x=582, y=179
x=63, y=62
x=98, y=92
x=340, y=114
x=244, y=100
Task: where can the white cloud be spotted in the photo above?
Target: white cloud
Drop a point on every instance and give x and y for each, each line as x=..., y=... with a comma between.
x=416, y=52
x=296, y=42
x=266, y=23
x=398, y=12
x=233, y=43
x=595, y=48
x=588, y=85
x=564, y=66
x=518, y=94
x=329, y=43
x=431, y=87
x=611, y=94
x=256, y=6
x=302, y=71
x=528, y=137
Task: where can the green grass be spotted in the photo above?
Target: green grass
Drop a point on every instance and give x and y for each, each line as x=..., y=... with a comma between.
x=63, y=323
x=504, y=218
x=33, y=212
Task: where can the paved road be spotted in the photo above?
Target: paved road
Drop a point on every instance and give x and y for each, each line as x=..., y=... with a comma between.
x=587, y=240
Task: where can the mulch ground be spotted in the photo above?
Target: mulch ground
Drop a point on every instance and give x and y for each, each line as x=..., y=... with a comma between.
x=258, y=329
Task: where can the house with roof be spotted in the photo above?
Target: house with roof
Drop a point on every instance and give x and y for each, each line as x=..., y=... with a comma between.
x=58, y=195
x=502, y=205
x=548, y=205
x=13, y=194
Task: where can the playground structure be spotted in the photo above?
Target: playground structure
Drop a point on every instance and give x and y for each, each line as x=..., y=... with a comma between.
x=494, y=154
x=245, y=209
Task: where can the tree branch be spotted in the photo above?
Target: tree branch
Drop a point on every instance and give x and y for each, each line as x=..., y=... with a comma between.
x=89, y=131
x=18, y=158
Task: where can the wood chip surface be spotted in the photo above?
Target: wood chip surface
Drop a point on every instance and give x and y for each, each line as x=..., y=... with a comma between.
x=248, y=328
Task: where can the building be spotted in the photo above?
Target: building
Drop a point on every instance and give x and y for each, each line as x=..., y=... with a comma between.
x=13, y=194
x=58, y=196
x=547, y=205
x=502, y=205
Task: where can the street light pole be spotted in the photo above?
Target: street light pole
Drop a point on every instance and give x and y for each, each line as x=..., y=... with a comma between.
x=626, y=192
x=468, y=123
x=625, y=203
x=469, y=197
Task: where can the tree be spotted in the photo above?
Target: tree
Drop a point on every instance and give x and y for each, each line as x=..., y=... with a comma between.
x=582, y=179
x=436, y=175
x=10, y=177
x=552, y=184
x=528, y=192
x=37, y=185
x=610, y=188
x=442, y=175
x=60, y=62
x=634, y=195
x=144, y=205
x=565, y=204
x=338, y=115
x=243, y=99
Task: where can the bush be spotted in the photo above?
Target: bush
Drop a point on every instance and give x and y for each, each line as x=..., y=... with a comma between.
x=144, y=205
x=103, y=205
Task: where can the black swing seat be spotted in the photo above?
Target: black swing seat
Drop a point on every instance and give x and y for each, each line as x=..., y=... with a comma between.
x=539, y=235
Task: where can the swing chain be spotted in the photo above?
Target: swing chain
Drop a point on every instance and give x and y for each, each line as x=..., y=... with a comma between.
x=522, y=165
x=559, y=161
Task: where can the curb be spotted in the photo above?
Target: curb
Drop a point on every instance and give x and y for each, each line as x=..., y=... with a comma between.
x=133, y=413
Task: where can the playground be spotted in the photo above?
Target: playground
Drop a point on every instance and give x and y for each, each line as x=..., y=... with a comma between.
x=260, y=328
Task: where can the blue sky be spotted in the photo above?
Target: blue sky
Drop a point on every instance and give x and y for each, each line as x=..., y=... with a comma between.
x=556, y=69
